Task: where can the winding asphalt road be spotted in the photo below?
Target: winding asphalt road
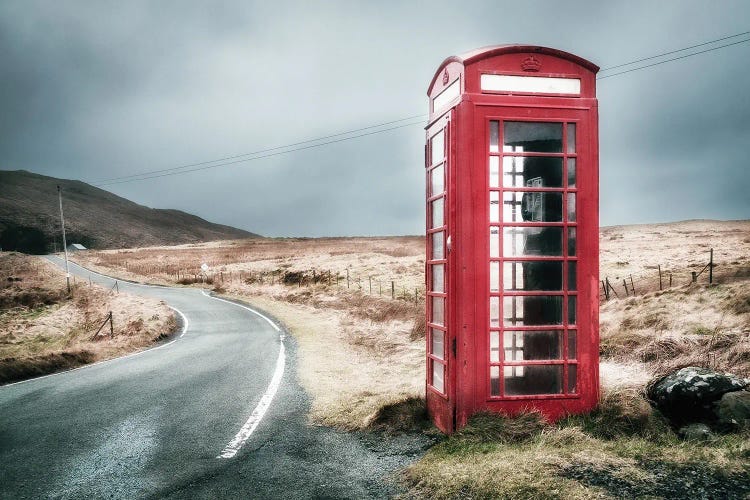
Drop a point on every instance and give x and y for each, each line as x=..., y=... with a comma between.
x=158, y=424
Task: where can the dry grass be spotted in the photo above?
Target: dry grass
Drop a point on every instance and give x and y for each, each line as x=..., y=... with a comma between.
x=622, y=450
x=362, y=357
x=43, y=329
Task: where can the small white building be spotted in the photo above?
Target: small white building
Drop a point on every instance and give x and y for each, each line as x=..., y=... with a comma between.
x=75, y=247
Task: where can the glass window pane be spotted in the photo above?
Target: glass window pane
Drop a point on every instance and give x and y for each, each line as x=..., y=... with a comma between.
x=437, y=180
x=495, y=312
x=572, y=379
x=571, y=137
x=533, y=275
x=494, y=242
x=572, y=345
x=495, y=171
x=494, y=206
x=531, y=207
x=494, y=380
x=438, y=376
x=533, y=345
x=438, y=278
x=535, y=310
x=494, y=276
x=533, y=379
x=438, y=248
x=572, y=310
x=532, y=136
x=495, y=347
x=438, y=343
x=437, y=147
x=438, y=311
x=571, y=241
x=571, y=172
x=494, y=133
x=523, y=241
x=572, y=275
x=532, y=171
x=571, y=207
x=437, y=212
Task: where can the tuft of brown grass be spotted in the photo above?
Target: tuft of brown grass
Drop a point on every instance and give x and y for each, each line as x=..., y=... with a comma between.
x=405, y=415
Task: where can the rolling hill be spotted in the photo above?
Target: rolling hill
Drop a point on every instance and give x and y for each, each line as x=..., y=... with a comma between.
x=30, y=218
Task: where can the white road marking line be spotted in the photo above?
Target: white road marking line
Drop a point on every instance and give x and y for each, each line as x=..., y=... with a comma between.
x=131, y=355
x=246, y=431
x=239, y=440
x=249, y=309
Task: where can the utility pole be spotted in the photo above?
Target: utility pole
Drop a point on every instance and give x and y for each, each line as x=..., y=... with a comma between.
x=65, y=244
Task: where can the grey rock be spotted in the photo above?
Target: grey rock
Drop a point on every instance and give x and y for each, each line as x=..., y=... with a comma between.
x=733, y=410
x=688, y=395
x=695, y=432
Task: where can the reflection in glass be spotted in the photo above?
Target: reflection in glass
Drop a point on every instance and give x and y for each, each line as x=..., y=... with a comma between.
x=532, y=171
x=494, y=206
x=437, y=212
x=533, y=275
x=438, y=343
x=437, y=376
x=495, y=311
x=571, y=241
x=572, y=345
x=494, y=171
x=438, y=250
x=571, y=172
x=533, y=137
x=532, y=345
x=494, y=241
x=534, y=379
x=437, y=180
x=494, y=380
x=438, y=278
x=571, y=207
x=523, y=241
x=437, y=151
x=572, y=275
x=494, y=276
x=572, y=310
x=532, y=310
x=495, y=347
x=438, y=311
x=572, y=378
x=531, y=207
x=571, y=137
x=494, y=139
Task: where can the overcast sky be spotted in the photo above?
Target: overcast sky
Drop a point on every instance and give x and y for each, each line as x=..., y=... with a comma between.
x=97, y=90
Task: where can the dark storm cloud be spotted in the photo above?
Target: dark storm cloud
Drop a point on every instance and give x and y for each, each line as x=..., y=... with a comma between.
x=95, y=90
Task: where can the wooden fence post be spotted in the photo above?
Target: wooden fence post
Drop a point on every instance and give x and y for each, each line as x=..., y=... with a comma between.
x=632, y=288
x=660, y=287
x=393, y=290
x=347, y=277
x=625, y=285
x=711, y=268
x=111, y=326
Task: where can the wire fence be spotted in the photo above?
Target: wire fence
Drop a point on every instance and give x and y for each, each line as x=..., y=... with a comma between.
x=388, y=287
x=659, y=277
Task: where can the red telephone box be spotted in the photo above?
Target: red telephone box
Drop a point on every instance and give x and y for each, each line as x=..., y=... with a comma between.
x=512, y=235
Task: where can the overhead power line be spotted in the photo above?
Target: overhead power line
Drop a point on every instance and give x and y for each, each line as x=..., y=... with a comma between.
x=206, y=167
x=673, y=59
x=609, y=68
x=352, y=134
x=260, y=151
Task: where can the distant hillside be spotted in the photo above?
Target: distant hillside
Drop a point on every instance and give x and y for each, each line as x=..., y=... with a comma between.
x=30, y=218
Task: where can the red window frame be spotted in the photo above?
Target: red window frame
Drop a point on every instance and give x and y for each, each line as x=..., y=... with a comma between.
x=432, y=163
x=566, y=293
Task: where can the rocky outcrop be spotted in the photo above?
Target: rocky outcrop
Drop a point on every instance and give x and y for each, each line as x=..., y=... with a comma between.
x=695, y=395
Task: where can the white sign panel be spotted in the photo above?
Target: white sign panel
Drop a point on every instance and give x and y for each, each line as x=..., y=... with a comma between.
x=535, y=84
x=451, y=92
